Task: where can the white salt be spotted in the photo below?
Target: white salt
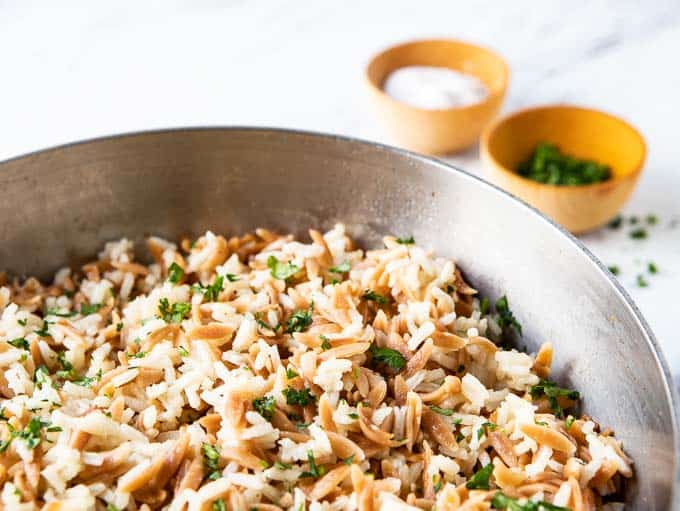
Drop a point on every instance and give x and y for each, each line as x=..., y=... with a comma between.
x=434, y=88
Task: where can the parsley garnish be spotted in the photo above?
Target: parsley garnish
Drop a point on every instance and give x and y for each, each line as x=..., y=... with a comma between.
x=638, y=234
x=87, y=381
x=325, y=345
x=442, y=411
x=406, y=241
x=568, y=423
x=290, y=373
x=503, y=502
x=119, y=326
x=174, y=313
x=388, y=357
x=300, y=320
x=264, y=324
x=183, y=352
x=22, y=322
x=111, y=507
x=480, y=479
x=506, y=317
x=614, y=269
x=349, y=460
x=652, y=219
x=484, y=305
x=281, y=270
x=211, y=459
x=212, y=292
x=67, y=372
x=265, y=406
x=282, y=466
x=56, y=312
x=438, y=483
x=139, y=354
x=43, y=332
x=86, y=309
x=652, y=268
x=552, y=392
x=175, y=273
x=19, y=342
x=353, y=415
x=298, y=397
x=372, y=296
x=641, y=281
x=341, y=268
x=40, y=376
x=314, y=470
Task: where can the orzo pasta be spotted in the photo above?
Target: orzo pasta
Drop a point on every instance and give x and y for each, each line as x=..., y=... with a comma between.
x=265, y=373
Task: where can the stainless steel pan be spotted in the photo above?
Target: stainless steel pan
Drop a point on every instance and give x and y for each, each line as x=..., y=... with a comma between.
x=61, y=204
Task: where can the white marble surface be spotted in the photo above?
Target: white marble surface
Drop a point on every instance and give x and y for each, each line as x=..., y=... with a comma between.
x=71, y=70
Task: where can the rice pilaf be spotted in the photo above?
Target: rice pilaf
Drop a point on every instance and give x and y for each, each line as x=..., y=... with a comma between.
x=263, y=373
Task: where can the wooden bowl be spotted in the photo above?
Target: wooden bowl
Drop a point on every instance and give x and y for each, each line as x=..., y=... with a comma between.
x=580, y=132
x=437, y=131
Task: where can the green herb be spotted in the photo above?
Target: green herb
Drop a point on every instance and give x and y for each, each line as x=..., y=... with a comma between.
x=450, y=289
x=406, y=241
x=651, y=268
x=183, y=352
x=457, y=421
x=174, y=313
x=19, y=342
x=480, y=433
x=111, y=507
x=552, y=392
x=67, y=372
x=641, y=281
x=372, y=296
x=638, y=234
x=325, y=345
x=218, y=505
x=460, y=369
x=43, y=332
x=442, y=411
x=652, y=219
x=349, y=460
x=86, y=309
x=31, y=434
x=314, y=470
x=22, y=322
x=341, y=268
x=212, y=292
x=540, y=423
x=302, y=425
x=282, y=466
x=211, y=460
x=438, y=483
x=484, y=305
x=119, y=326
x=490, y=426
x=298, y=397
x=300, y=320
x=281, y=270
x=290, y=373
x=139, y=354
x=353, y=415
x=264, y=324
x=504, y=503
x=616, y=222
x=175, y=273
x=506, y=317
x=388, y=357
x=40, y=376
x=265, y=406
x=614, y=270
x=568, y=423
x=459, y=437
x=87, y=381
x=58, y=313
x=480, y=479
x=633, y=220
x=548, y=165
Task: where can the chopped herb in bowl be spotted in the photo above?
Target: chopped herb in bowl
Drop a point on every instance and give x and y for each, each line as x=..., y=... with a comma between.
x=548, y=165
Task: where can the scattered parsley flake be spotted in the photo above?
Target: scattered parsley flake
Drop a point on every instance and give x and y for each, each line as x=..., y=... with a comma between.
x=183, y=352
x=506, y=317
x=298, y=397
x=484, y=305
x=349, y=460
x=406, y=241
x=438, y=483
x=502, y=502
x=614, y=270
x=290, y=373
x=19, y=342
x=300, y=320
x=652, y=219
x=353, y=415
x=211, y=459
x=480, y=479
x=139, y=354
x=174, y=313
x=552, y=392
x=567, y=423
x=44, y=332
x=638, y=234
x=175, y=273
x=22, y=322
x=388, y=357
x=282, y=466
x=281, y=270
x=372, y=296
x=218, y=505
x=325, y=345
x=119, y=326
x=111, y=507
x=314, y=470
x=652, y=268
x=616, y=222
x=641, y=281
x=265, y=406
x=58, y=313
x=92, y=308
x=343, y=267
x=442, y=411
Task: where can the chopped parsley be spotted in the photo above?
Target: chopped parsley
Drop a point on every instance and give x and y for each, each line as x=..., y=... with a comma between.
x=43, y=332
x=652, y=219
x=353, y=415
x=652, y=268
x=506, y=317
x=86, y=309
x=87, y=381
x=175, y=273
x=325, y=345
x=504, y=503
x=442, y=411
x=438, y=483
x=183, y=352
x=552, y=392
x=211, y=460
x=341, y=268
x=549, y=165
x=290, y=373
x=349, y=460
x=119, y=326
x=265, y=406
x=638, y=234
x=212, y=291
x=19, y=342
x=372, y=296
x=139, y=354
x=568, y=423
x=615, y=222
x=40, y=376
x=67, y=372
x=406, y=241
x=298, y=397
x=22, y=322
x=31, y=434
x=314, y=470
x=614, y=270
x=300, y=320
x=641, y=281
x=484, y=305
x=58, y=313
x=264, y=324
x=218, y=505
x=281, y=270
x=174, y=313
x=480, y=479
x=111, y=507
x=282, y=466
x=388, y=357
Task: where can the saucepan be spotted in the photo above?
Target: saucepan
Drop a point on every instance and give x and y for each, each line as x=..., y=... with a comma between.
x=61, y=204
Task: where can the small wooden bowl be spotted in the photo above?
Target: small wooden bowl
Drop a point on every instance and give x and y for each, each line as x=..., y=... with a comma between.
x=437, y=131
x=580, y=132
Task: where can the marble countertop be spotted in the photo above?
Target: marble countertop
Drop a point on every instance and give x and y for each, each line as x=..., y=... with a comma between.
x=72, y=71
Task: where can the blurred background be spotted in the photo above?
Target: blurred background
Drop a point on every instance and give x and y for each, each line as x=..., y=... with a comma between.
x=75, y=70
